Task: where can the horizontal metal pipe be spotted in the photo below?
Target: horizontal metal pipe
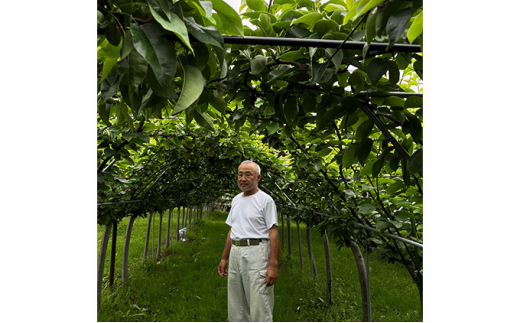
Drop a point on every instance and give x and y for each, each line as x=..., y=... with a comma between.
x=388, y=94
x=304, y=42
x=322, y=43
x=389, y=235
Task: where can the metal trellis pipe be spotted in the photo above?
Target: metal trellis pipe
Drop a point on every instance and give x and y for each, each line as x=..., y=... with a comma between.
x=321, y=43
x=304, y=42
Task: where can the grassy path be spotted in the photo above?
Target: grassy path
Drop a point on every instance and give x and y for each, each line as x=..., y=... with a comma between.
x=183, y=285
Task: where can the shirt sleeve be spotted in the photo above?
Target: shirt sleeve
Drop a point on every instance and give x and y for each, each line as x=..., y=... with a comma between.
x=271, y=215
x=229, y=220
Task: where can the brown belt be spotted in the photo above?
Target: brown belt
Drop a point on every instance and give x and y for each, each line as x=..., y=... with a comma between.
x=247, y=242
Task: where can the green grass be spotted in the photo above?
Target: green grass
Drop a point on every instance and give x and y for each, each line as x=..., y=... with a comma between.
x=183, y=285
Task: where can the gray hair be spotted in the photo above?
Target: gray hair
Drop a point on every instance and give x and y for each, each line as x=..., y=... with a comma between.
x=251, y=162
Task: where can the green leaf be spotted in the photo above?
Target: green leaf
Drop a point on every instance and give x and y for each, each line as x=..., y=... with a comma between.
x=332, y=7
x=272, y=128
x=175, y=25
x=337, y=59
x=370, y=31
x=218, y=103
x=414, y=102
x=416, y=126
x=384, y=13
x=203, y=119
x=112, y=34
x=367, y=169
x=208, y=35
x=208, y=8
x=394, y=101
x=415, y=163
x=104, y=112
x=308, y=19
x=110, y=55
x=329, y=116
x=191, y=89
x=364, y=130
x=256, y=5
x=343, y=79
x=128, y=46
x=357, y=81
x=318, y=165
x=110, y=84
x=369, y=6
x=382, y=224
x=265, y=23
x=231, y=21
x=352, y=11
x=298, y=32
x=416, y=28
x=291, y=56
x=280, y=72
x=167, y=91
x=258, y=64
x=317, y=71
x=365, y=147
x=349, y=155
x=403, y=216
x=376, y=69
x=395, y=187
x=394, y=162
x=366, y=208
x=323, y=27
x=290, y=109
x=138, y=69
x=393, y=72
x=376, y=168
x=324, y=152
x=397, y=24
x=157, y=51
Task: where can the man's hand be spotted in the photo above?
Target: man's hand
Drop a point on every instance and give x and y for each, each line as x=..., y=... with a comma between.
x=222, y=268
x=271, y=275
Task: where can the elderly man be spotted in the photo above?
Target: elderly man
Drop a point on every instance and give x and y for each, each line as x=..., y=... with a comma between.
x=251, y=249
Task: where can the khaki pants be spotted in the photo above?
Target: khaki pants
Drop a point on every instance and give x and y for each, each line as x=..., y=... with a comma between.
x=249, y=299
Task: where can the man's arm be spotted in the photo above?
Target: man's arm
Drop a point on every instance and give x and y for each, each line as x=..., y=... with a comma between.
x=222, y=267
x=272, y=271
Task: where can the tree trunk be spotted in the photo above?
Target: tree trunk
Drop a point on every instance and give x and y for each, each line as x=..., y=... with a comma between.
x=300, y=243
x=358, y=256
x=283, y=232
x=168, y=231
x=314, y=270
x=328, y=296
x=147, y=239
x=126, y=248
x=153, y=231
x=178, y=237
x=159, y=235
x=191, y=212
x=113, y=255
x=101, y=262
x=289, y=249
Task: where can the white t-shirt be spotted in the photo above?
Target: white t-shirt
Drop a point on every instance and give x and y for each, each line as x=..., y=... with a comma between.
x=252, y=216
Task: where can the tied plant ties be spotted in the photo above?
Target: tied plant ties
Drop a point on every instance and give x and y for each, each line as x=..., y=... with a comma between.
x=349, y=35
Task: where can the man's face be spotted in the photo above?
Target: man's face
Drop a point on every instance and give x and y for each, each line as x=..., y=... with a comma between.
x=247, y=177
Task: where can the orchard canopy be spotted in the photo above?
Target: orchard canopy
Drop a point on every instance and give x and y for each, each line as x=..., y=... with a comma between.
x=337, y=129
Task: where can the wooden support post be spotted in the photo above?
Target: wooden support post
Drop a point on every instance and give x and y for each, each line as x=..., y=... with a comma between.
x=113, y=255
